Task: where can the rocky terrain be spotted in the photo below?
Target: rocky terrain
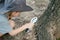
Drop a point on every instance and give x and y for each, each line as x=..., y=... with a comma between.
x=48, y=24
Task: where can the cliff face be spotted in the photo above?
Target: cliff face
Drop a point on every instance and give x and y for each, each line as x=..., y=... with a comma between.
x=47, y=26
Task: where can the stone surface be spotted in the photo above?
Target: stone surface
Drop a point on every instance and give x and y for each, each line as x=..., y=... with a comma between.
x=47, y=25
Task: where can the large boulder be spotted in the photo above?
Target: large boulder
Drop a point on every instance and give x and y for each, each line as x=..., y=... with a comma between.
x=47, y=26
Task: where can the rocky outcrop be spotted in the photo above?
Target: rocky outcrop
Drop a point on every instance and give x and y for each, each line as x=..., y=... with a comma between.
x=48, y=23
x=47, y=26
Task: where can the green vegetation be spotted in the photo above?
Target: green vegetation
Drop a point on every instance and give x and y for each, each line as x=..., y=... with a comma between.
x=58, y=39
